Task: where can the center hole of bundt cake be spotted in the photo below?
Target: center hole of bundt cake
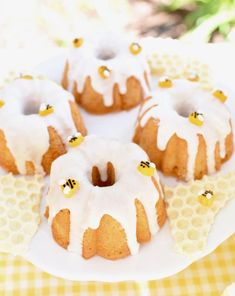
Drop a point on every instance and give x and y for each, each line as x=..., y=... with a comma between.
x=31, y=108
x=184, y=109
x=105, y=54
x=110, y=176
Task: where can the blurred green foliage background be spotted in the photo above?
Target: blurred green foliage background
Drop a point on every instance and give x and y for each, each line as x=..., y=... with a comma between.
x=205, y=17
x=56, y=22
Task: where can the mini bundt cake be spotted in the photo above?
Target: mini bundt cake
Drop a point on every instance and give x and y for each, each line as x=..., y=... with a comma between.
x=104, y=199
x=36, y=116
x=186, y=131
x=106, y=73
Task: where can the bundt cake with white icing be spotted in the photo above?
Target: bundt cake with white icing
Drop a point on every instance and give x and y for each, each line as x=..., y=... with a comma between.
x=36, y=116
x=186, y=131
x=106, y=73
x=104, y=199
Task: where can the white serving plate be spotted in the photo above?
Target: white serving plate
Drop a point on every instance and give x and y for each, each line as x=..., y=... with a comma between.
x=156, y=259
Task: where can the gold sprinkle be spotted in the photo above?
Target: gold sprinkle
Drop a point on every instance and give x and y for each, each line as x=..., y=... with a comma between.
x=135, y=48
x=78, y=42
x=104, y=72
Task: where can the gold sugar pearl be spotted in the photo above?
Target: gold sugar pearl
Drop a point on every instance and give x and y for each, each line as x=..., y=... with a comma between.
x=219, y=94
x=2, y=103
x=104, y=72
x=135, y=48
x=78, y=42
x=165, y=82
x=196, y=118
x=45, y=109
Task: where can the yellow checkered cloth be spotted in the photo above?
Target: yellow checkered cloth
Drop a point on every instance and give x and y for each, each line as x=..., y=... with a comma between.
x=208, y=276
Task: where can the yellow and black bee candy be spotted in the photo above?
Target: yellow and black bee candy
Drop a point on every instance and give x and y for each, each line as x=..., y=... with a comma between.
x=75, y=140
x=206, y=198
x=165, y=82
x=196, y=118
x=69, y=187
x=146, y=168
x=45, y=109
x=220, y=95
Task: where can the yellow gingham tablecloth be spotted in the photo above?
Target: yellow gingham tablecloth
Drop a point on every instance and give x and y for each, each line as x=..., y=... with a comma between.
x=208, y=276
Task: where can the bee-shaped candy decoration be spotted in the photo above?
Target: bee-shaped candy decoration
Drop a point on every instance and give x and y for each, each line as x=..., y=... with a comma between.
x=78, y=42
x=135, y=48
x=45, y=109
x=104, y=72
x=196, y=118
x=2, y=103
x=165, y=82
x=219, y=94
x=193, y=76
x=26, y=77
x=75, y=140
x=206, y=198
x=69, y=187
x=146, y=168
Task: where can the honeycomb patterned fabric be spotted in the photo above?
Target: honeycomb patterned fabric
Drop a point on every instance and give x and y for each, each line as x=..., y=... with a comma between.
x=191, y=212
x=168, y=57
x=19, y=208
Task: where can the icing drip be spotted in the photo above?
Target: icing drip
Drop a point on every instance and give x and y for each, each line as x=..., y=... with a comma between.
x=113, y=52
x=172, y=107
x=117, y=200
x=25, y=131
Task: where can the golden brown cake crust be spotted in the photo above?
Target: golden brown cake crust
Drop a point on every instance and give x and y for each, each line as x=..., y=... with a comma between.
x=7, y=160
x=61, y=234
x=142, y=227
x=109, y=239
x=173, y=160
x=77, y=118
x=56, y=149
x=92, y=101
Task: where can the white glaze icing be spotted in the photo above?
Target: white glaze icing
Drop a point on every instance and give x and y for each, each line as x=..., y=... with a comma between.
x=26, y=135
x=189, y=97
x=90, y=203
x=84, y=62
